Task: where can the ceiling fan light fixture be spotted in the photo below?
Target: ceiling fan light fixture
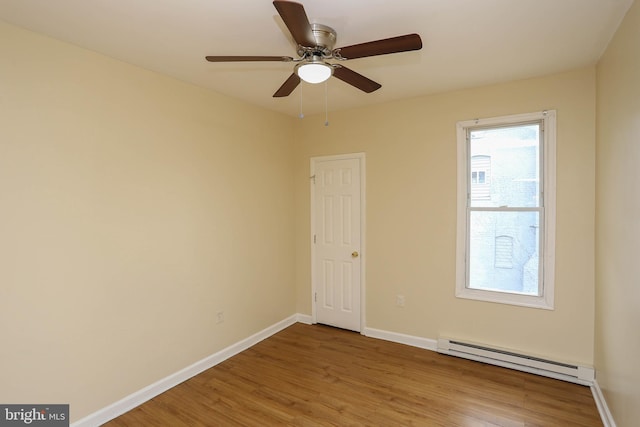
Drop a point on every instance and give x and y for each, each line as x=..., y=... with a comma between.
x=314, y=71
x=315, y=46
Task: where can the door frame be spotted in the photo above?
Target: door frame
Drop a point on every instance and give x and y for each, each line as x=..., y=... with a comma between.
x=361, y=158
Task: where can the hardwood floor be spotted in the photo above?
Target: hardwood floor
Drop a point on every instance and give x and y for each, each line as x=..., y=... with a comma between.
x=321, y=376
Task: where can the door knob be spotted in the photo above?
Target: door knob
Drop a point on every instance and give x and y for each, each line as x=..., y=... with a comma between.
x=355, y=254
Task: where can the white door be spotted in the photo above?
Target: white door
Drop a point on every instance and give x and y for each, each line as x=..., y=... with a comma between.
x=336, y=206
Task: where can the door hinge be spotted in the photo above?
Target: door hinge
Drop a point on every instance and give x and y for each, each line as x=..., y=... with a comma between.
x=315, y=297
x=314, y=238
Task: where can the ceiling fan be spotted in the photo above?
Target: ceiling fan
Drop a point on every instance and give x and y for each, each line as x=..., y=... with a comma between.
x=316, y=47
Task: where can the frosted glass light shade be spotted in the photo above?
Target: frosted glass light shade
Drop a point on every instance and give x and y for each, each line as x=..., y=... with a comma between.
x=314, y=72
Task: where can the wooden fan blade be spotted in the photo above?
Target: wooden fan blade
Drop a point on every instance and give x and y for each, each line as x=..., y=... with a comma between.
x=355, y=79
x=295, y=18
x=381, y=47
x=248, y=58
x=288, y=86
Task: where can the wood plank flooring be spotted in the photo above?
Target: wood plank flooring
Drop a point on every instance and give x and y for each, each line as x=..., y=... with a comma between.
x=313, y=375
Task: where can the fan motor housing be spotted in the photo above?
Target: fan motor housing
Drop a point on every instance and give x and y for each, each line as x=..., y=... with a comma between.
x=325, y=38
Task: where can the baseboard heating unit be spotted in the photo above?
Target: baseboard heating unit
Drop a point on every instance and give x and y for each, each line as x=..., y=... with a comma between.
x=508, y=359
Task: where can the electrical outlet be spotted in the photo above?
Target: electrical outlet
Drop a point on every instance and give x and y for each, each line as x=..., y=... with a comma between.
x=400, y=300
x=220, y=317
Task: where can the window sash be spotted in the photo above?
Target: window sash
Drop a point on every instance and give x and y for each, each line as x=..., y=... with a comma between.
x=471, y=169
x=541, y=240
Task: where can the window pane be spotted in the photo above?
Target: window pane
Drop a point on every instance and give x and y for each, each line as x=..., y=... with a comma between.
x=503, y=251
x=505, y=166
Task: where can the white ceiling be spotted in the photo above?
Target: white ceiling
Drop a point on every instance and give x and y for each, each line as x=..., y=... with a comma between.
x=466, y=43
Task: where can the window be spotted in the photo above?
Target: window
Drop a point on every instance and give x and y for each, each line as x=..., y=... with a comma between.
x=504, y=252
x=506, y=209
x=480, y=173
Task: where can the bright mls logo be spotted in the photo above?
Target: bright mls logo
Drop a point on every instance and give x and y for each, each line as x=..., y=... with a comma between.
x=34, y=415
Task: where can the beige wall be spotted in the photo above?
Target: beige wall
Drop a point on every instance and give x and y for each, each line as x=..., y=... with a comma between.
x=617, y=344
x=410, y=148
x=133, y=207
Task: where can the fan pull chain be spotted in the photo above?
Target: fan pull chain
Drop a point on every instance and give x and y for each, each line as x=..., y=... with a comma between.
x=301, y=115
x=326, y=103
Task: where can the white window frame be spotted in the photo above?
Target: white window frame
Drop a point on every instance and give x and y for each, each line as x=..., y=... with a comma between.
x=546, y=299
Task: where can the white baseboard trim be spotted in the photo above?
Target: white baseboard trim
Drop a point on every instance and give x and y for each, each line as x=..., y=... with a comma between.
x=426, y=343
x=304, y=318
x=601, y=403
x=139, y=397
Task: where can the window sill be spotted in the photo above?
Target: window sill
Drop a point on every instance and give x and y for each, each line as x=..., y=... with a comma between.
x=506, y=298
